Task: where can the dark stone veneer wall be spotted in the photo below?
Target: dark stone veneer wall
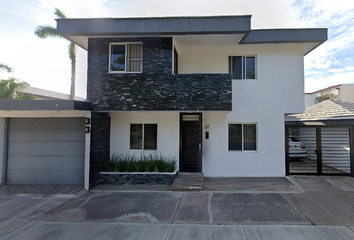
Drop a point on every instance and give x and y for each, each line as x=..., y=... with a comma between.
x=134, y=179
x=156, y=88
x=100, y=144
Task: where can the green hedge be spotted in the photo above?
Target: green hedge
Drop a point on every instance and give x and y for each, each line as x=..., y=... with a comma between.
x=141, y=163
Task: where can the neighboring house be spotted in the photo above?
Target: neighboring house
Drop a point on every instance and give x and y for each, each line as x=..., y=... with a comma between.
x=43, y=94
x=327, y=130
x=342, y=92
x=198, y=88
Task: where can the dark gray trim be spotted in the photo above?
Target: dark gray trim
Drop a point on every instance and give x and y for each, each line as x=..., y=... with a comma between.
x=153, y=26
x=348, y=122
x=319, y=150
x=6, y=149
x=33, y=105
x=287, y=158
x=286, y=36
x=162, y=26
x=306, y=35
x=351, y=142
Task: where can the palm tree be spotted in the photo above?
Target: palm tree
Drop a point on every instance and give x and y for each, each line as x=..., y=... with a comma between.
x=9, y=89
x=45, y=31
x=5, y=67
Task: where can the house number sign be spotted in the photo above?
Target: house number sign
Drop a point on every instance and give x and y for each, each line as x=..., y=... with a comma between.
x=87, y=122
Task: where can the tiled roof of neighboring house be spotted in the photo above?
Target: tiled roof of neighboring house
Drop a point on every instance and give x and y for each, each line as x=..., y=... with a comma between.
x=43, y=94
x=326, y=110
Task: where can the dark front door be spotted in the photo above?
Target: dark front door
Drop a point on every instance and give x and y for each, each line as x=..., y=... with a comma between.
x=190, y=142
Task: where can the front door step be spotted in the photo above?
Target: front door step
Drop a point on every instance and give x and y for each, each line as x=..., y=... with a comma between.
x=188, y=182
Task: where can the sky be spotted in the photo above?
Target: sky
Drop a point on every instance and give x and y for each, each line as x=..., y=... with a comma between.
x=44, y=63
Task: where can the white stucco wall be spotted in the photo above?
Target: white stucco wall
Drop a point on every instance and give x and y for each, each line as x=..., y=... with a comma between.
x=167, y=131
x=309, y=100
x=279, y=71
x=264, y=102
x=268, y=160
x=347, y=92
x=278, y=89
x=2, y=135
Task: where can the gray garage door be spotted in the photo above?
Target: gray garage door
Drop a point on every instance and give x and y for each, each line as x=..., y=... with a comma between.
x=46, y=151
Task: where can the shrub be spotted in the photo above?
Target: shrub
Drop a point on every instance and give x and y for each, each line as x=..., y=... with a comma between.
x=144, y=163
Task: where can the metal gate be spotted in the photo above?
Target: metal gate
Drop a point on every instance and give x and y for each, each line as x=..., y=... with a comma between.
x=328, y=151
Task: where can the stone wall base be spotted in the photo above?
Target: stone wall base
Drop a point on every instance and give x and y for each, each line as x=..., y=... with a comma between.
x=135, y=179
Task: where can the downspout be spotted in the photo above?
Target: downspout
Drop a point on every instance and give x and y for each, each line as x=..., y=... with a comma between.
x=6, y=149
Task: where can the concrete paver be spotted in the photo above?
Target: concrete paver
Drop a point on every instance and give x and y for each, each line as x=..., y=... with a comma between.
x=308, y=184
x=193, y=209
x=159, y=206
x=337, y=233
x=24, y=207
x=129, y=231
x=248, y=208
x=45, y=230
x=283, y=232
x=39, y=189
x=244, y=184
x=7, y=227
x=343, y=183
x=189, y=232
x=336, y=204
x=316, y=213
x=263, y=213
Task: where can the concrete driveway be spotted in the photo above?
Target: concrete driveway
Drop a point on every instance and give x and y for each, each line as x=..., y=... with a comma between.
x=308, y=208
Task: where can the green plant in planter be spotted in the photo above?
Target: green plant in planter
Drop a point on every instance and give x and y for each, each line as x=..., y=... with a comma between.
x=171, y=165
x=109, y=165
x=143, y=163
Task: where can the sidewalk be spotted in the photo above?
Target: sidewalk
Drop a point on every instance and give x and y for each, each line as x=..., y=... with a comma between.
x=298, y=208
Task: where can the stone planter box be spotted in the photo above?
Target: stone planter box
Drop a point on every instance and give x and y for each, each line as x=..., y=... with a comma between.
x=135, y=178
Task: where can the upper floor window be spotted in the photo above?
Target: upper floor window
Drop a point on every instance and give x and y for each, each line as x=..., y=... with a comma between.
x=125, y=57
x=242, y=67
x=242, y=137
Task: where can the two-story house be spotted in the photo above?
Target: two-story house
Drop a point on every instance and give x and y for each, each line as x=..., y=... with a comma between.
x=209, y=90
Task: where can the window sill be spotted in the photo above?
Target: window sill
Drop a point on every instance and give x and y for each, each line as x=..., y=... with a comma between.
x=142, y=151
x=122, y=72
x=238, y=152
x=244, y=79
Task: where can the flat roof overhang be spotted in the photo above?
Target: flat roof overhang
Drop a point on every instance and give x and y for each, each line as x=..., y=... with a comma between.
x=44, y=105
x=312, y=37
x=80, y=30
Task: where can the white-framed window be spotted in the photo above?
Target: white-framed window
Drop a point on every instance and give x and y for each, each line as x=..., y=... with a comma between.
x=143, y=136
x=242, y=67
x=125, y=57
x=242, y=137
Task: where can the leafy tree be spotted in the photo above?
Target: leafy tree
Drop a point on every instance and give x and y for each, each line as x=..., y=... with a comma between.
x=327, y=94
x=45, y=31
x=9, y=89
